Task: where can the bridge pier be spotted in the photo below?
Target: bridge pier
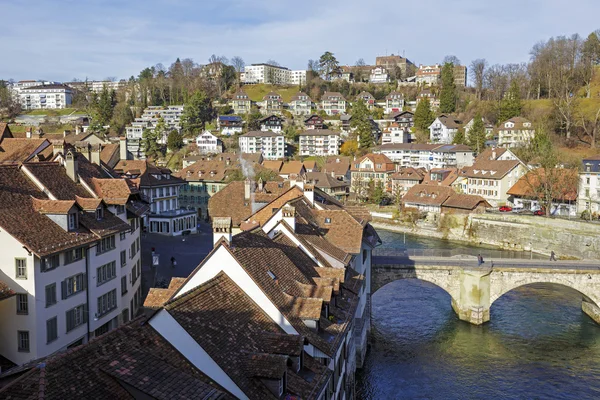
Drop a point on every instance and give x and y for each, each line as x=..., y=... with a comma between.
x=591, y=309
x=473, y=302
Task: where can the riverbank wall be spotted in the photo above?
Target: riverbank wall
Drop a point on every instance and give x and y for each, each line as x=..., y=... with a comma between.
x=569, y=239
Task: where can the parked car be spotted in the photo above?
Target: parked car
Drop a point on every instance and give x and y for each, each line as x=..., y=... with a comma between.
x=518, y=210
x=505, y=209
x=539, y=212
x=386, y=201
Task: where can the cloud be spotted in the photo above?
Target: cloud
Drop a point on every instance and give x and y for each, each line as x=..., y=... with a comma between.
x=62, y=40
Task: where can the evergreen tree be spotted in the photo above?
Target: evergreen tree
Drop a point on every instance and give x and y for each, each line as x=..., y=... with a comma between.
x=477, y=134
x=424, y=115
x=329, y=65
x=253, y=119
x=459, y=138
x=448, y=97
x=361, y=122
x=150, y=144
x=175, y=140
x=196, y=113
x=511, y=105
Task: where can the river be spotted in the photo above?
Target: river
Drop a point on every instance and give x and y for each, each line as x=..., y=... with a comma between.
x=537, y=345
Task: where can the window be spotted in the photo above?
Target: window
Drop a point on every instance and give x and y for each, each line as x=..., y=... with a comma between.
x=76, y=317
x=132, y=250
x=21, y=268
x=120, y=209
x=105, y=273
x=587, y=181
x=73, y=255
x=49, y=263
x=51, y=294
x=105, y=244
x=107, y=302
x=122, y=235
x=22, y=304
x=51, y=330
x=99, y=213
x=123, y=258
x=72, y=285
x=123, y=285
x=23, y=341
x=72, y=221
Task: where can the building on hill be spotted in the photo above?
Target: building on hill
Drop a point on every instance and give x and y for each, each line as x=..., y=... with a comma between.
x=241, y=103
x=379, y=75
x=429, y=74
x=314, y=122
x=443, y=129
x=460, y=76
x=208, y=143
x=395, y=134
x=338, y=167
x=71, y=252
x=443, y=199
x=404, y=119
x=335, y=188
x=496, y=153
x=367, y=98
x=51, y=96
x=333, y=103
x=272, y=123
x=394, y=102
x=273, y=74
x=434, y=100
x=392, y=61
x=301, y=104
x=230, y=124
x=170, y=115
x=270, y=144
x=428, y=156
x=589, y=186
x=271, y=104
x=489, y=128
x=319, y=142
x=516, y=132
x=492, y=179
x=371, y=169
x=406, y=178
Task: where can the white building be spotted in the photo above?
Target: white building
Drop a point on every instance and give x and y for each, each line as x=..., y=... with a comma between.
x=272, y=74
x=516, y=132
x=395, y=134
x=394, y=102
x=379, y=75
x=429, y=74
x=171, y=115
x=297, y=77
x=208, y=143
x=51, y=96
x=301, y=104
x=428, y=156
x=269, y=143
x=98, y=86
x=333, y=103
x=71, y=254
x=319, y=142
x=443, y=129
x=589, y=186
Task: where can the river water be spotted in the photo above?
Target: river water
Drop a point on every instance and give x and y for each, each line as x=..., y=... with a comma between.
x=537, y=345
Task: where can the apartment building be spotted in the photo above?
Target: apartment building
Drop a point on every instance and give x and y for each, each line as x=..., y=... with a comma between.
x=271, y=123
x=99, y=86
x=333, y=103
x=371, y=169
x=300, y=104
x=368, y=99
x=460, y=76
x=379, y=75
x=492, y=179
x=516, y=132
x=270, y=144
x=319, y=142
x=241, y=103
x=404, y=119
x=52, y=96
x=489, y=128
x=428, y=156
x=16, y=87
x=271, y=104
x=443, y=129
x=429, y=75
x=297, y=77
x=525, y=193
x=273, y=74
x=207, y=143
x=392, y=61
x=395, y=134
x=170, y=116
x=406, y=178
x=394, y=102
x=70, y=252
x=589, y=186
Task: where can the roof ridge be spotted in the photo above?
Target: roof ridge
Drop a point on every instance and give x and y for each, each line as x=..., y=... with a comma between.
x=189, y=295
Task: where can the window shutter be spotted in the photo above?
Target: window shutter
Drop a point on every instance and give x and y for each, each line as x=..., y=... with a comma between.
x=86, y=313
x=63, y=289
x=84, y=282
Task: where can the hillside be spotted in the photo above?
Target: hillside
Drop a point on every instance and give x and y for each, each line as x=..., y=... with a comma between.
x=257, y=92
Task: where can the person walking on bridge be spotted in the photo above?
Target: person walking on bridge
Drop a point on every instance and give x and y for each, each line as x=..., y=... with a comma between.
x=479, y=260
x=552, y=256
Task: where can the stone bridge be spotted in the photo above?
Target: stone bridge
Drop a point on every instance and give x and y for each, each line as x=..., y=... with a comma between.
x=474, y=288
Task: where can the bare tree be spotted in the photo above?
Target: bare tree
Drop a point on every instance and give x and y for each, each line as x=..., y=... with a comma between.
x=451, y=60
x=239, y=64
x=477, y=71
x=590, y=127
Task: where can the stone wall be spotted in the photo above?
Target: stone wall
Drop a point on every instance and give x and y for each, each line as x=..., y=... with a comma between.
x=567, y=238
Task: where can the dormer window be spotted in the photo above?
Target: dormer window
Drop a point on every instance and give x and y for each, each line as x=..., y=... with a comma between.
x=72, y=221
x=327, y=220
x=99, y=213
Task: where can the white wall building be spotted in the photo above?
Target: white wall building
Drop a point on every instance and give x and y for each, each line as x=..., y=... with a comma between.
x=428, y=156
x=379, y=75
x=589, y=186
x=171, y=115
x=208, y=143
x=319, y=142
x=269, y=143
x=272, y=74
x=395, y=134
x=443, y=129
x=51, y=96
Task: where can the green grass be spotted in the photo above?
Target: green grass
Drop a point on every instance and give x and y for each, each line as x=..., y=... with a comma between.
x=55, y=112
x=17, y=128
x=257, y=92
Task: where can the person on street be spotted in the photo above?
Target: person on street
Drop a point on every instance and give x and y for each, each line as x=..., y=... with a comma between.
x=173, y=262
x=479, y=260
x=552, y=256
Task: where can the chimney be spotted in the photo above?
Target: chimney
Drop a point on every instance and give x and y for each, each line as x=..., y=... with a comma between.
x=123, y=148
x=221, y=229
x=78, y=129
x=493, y=154
x=261, y=185
x=28, y=133
x=71, y=165
x=95, y=153
x=247, y=188
x=309, y=193
x=289, y=216
x=58, y=146
x=83, y=148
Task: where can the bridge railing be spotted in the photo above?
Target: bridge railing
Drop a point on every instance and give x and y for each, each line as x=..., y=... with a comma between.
x=487, y=254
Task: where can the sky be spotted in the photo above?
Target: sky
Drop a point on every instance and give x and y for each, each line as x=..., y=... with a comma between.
x=61, y=40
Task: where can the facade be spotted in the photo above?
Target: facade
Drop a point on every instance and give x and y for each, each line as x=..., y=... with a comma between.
x=319, y=142
x=406, y=178
x=589, y=186
x=230, y=124
x=516, y=132
x=428, y=156
x=297, y=77
x=271, y=104
x=170, y=116
x=443, y=129
x=71, y=253
x=528, y=190
x=443, y=199
x=270, y=144
x=367, y=98
x=379, y=75
x=98, y=86
x=273, y=74
x=208, y=143
x=271, y=123
x=301, y=104
x=395, y=134
x=50, y=96
x=434, y=101
x=338, y=189
x=314, y=122
x=460, y=76
x=392, y=61
x=404, y=119
x=489, y=128
x=491, y=179
x=394, y=102
x=333, y=103
x=429, y=75
x=338, y=167
x=241, y=103
x=371, y=169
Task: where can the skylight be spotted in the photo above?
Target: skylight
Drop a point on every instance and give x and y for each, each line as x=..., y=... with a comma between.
x=272, y=275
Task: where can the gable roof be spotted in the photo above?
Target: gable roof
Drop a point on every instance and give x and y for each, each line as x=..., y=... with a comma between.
x=562, y=184
x=409, y=173
x=292, y=167
x=385, y=164
x=20, y=150
x=427, y=195
x=319, y=132
x=298, y=95
x=465, y=201
x=491, y=169
x=327, y=96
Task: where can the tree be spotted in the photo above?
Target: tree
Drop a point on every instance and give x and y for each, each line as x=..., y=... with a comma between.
x=358, y=70
x=590, y=57
x=477, y=72
x=122, y=116
x=361, y=123
x=450, y=59
x=253, y=119
x=589, y=121
x=291, y=133
x=424, y=115
x=511, y=106
x=9, y=102
x=459, y=137
x=349, y=148
x=376, y=192
x=196, y=113
x=150, y=144
x=328, y=64
x=476, y=134
x=448, y=96
x=313, y=70
x=101, y=107
x=239, y=64
x=175, y=140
